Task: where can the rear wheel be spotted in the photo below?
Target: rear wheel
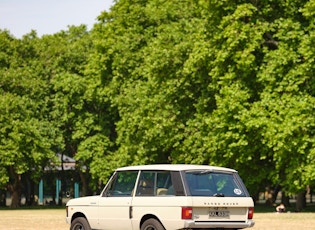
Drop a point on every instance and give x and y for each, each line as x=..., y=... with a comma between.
x=152, y=224
x=80, y=223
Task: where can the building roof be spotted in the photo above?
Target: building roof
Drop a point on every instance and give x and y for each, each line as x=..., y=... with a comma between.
x=64, y=163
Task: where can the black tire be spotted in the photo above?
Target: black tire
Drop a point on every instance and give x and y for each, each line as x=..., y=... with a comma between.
x=152, y=224
x=80, y=223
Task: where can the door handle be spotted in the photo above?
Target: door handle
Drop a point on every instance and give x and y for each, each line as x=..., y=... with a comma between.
x=130, y=212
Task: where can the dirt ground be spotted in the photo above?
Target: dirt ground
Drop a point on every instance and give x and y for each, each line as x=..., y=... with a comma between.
x=284, y=221
x=45, y=219
x=55, y=219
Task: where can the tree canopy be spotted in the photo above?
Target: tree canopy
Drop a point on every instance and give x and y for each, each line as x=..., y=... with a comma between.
x=213, y=82
x=228, y=83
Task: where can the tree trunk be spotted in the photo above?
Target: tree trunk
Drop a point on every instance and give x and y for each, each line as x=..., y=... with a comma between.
x=15, y=199
x=285, y=200
x=256, y=197
x=275, y=193
x=15, y=189
x=3, y=201
x=300, y=201
x=85, y=183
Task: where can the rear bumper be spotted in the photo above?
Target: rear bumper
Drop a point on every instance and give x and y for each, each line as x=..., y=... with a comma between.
x=217, y=224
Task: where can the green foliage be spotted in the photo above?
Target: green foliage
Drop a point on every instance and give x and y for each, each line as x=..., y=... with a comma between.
x=26, y=135
x=228, y=83
x=212, y=82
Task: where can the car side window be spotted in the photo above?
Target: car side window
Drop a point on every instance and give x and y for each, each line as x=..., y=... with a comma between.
x=155, y=183
x=122, y=184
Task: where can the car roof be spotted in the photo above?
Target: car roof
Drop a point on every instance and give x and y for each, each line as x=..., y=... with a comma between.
x=176, y=167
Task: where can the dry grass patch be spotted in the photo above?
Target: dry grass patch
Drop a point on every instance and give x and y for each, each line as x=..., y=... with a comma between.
x=284, y=221
x=45, y=219
x=52, y=219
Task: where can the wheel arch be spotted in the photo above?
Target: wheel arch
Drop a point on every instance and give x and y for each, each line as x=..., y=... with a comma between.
x=76, y=215
x=149, y=216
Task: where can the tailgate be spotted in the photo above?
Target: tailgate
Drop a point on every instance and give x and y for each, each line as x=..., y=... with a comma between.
x=221, y=208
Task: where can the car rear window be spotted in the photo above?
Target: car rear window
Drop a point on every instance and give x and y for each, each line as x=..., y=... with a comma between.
x=209, y=183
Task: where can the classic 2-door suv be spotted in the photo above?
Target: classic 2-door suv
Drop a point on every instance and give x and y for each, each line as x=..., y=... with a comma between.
x=166, y=197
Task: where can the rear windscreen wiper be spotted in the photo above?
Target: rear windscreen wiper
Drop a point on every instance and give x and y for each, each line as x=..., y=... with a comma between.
x=218, y=195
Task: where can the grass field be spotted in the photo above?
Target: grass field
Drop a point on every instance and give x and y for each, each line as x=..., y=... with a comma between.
x=52, y=219
x=33, y=219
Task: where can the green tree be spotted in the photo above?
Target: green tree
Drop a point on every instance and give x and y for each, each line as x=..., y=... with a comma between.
x=27, y=137
x=82, y=113
x=138, y=68
x=213, y=82
x=288, y=99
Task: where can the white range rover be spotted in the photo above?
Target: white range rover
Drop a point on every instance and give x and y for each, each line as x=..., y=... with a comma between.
x=159, y=197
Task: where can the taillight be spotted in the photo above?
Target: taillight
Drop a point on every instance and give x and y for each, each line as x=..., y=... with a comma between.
x=250, y=213
x=186, y=213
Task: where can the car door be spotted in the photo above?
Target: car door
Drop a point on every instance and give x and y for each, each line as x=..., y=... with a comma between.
x=115, y=202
